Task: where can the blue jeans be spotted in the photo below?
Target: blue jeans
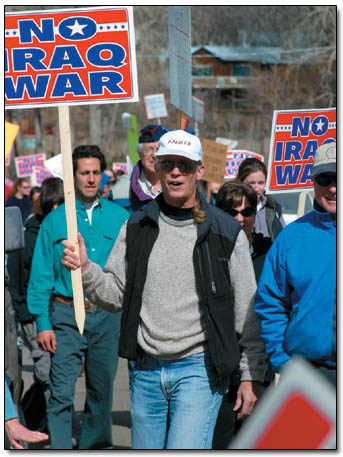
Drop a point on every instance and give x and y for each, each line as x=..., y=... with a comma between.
x=99, y=345
x=174, y=403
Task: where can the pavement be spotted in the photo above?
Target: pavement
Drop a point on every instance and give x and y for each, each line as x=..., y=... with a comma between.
x=121, y=422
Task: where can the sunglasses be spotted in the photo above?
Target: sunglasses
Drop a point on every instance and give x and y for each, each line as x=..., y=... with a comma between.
x=185, y=167
x=325, y=180
x=246, y=212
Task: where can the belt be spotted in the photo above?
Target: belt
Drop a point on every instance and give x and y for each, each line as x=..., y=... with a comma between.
x=89, y=307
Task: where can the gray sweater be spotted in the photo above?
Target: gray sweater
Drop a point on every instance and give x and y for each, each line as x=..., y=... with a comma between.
x=171, y=320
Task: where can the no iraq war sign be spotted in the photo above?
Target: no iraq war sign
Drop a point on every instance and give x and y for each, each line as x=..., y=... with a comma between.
x=66, y=57
x=296, y=135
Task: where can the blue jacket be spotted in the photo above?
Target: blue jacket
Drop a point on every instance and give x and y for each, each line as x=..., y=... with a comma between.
x=296, y=294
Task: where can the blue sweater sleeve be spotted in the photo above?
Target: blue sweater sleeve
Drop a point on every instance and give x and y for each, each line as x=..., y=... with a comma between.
x=10, y=410
x=42, y=278
x=272, y=303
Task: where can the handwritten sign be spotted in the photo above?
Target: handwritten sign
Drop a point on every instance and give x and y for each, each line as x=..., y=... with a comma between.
x=155, y=106
x=11, y=131
x=295, y=137
x=234, y=159
x=214, y=159
x=72, y=56
x=24, y=164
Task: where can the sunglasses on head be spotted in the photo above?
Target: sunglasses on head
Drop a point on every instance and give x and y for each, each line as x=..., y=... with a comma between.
x=324, y=179
x=184, y=166
x=246, y=212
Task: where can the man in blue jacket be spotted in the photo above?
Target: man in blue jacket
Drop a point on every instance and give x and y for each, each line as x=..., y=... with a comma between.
x=296, y=295
x=50, y=299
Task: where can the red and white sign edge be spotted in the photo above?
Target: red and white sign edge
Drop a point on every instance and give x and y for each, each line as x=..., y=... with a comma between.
x=297, y=376
x=132, y=48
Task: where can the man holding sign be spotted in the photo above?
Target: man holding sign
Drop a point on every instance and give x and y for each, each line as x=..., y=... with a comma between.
x=296, y=295
x=176, y=269
x=99, y=222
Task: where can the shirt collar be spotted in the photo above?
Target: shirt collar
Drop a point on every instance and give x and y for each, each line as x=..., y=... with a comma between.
x=81, y=206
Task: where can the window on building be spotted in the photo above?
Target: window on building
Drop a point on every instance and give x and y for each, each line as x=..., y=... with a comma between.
x=202, y=70
x=241, y=70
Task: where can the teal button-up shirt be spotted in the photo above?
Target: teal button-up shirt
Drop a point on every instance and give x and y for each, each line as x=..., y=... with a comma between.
x=48, y=276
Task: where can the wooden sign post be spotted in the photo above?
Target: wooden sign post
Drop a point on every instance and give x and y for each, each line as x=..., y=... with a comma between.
x=69, y=199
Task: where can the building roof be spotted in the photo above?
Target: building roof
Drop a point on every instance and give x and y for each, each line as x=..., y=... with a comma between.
x=262, y=54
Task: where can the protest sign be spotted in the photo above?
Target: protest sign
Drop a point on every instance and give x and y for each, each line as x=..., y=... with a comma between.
x=235, y=157
x=231, y=144
x=180, y=58
x=198, y=110
x=54, y=165
x=155, y=106
x=119, y=166
x=70, y=56
x=11, y=131
x=130, y=123
x=24, y=164
x=39, y=175
x=214, y=160
x=295, y=137
x=299, y=413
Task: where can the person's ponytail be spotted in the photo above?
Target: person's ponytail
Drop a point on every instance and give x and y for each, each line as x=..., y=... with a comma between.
x=199, y=215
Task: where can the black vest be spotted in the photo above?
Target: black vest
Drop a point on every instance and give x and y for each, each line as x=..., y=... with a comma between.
x=212, y=251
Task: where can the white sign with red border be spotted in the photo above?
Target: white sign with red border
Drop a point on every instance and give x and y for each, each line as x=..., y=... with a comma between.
x=299, y=413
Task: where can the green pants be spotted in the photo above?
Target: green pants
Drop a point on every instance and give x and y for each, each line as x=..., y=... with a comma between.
x=99, y=345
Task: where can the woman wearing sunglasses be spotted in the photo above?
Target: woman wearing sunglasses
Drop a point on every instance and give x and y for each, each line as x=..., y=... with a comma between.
x=239, y=201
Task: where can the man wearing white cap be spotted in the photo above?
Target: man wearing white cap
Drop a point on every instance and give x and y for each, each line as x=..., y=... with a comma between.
x=296, y=295
x=182, y=273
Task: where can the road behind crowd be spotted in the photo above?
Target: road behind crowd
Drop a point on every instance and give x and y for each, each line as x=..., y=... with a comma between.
x=121, y=428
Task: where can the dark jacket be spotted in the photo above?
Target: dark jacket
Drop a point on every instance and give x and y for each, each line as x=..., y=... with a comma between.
x=260, y=247
x=216, y=235
x=273, y=215
x=24, y=204
x=19, y=267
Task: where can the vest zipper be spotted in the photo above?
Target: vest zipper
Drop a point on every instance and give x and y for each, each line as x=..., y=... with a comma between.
x=213, y=286
x=208, y=316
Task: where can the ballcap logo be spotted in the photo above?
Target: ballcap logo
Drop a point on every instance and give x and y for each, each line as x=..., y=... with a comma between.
x=184, y=142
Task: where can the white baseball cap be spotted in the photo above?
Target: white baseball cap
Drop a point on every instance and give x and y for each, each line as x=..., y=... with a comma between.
x=180, y=143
